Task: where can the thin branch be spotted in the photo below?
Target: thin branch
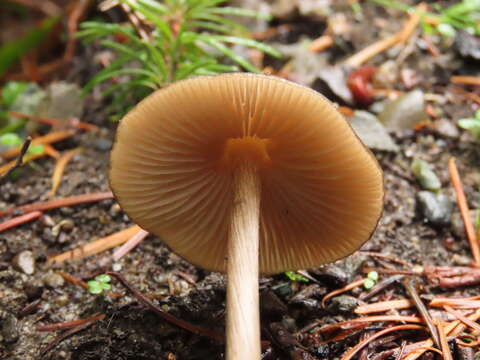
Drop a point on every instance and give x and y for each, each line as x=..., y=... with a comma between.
x=462, y=204
x=19, y=220
x=19, y=162
x=58, y=203
x=96, y=246
x=346, y=288
x=69, y=324
x=166, y=316
x=422, y=310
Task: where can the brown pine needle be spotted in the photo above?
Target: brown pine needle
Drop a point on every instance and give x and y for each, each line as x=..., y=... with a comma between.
x=350, y=353
x=129, y=245
x=463, y=318
x=60, y=168
x=368, y=319
x=321, y=43
x=58, y=203
x=96, y=246
x=346, y=288
x=465, y=80
x=378, y=47
x=384, y=306
x=50, y=151
x=462, y=303
x=19, y=220
x=55, y=122
x=453, y=328
x=463, y=206
x=50, y=138
x=69, y=324
x=446, y=354
x=4, y=169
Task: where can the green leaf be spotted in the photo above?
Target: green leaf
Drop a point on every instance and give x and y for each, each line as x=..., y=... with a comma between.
x=11, y=91
x=10, y=140
x=36, y=149
x=104, y=278
x=368, y=284
x=373, y=275
x=229, y=53
x=228, y=10
x=249, y=43
x=10, y=52
x=296, y=276
x=446, y=30
x=94, y=287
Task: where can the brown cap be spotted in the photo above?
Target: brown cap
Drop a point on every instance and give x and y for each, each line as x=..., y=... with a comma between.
x=171, y=170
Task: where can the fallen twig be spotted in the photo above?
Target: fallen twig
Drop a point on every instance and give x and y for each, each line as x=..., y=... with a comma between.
x=96, y=246
x=19, y=161
x=58, y=203
x=19, y=220
x=463, y=206
x=129, y=245
x=51, y=137
x=465, y=80
x=400, y=37
x=462, y=318
x=168, y=317
x=350, y=353
x=422, y=310
x=384, y=306
x=69, y=324
x=65, y=335
x=60, y=168
x=346, y=288
x=55, y=122
x=321, y=43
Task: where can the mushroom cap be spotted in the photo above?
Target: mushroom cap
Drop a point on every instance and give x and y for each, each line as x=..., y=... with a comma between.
x=175, y=153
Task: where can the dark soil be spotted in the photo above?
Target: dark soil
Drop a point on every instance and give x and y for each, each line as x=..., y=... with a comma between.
x=130, y=331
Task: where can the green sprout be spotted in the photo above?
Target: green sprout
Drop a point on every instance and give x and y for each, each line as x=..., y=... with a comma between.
x=464, y=15
x=184, y=38
x=13, y=140
x=294, y=276
x=471, y=124
x=371, y=280
x=100, y=284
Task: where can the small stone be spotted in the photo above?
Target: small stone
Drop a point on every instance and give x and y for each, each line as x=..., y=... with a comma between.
x=371, y=131
x=116, y=267
x=404, y=112
x=461, y=260
x=8, y=327
x=24, y=262
x=426, y=177
x=342, y=303
x=436, y=208
x=102, y=145
x=53, y=280
x=446, y=128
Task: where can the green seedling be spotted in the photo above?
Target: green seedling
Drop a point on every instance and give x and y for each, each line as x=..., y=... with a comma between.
x=294, y=276
x=463, y=15
x=13, y=140
x=185, y=38
x=471, y=124
x=100, y=284
x=371, y=280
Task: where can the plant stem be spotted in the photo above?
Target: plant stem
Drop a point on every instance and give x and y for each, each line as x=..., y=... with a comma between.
x=243, y=316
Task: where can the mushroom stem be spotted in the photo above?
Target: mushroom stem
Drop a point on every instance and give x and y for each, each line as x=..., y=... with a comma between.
x=243, y=316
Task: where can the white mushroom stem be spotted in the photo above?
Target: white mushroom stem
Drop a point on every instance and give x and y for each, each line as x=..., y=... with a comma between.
x=243, y=316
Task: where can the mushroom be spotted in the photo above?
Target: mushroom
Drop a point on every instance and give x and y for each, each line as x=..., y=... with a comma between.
x=246, y=173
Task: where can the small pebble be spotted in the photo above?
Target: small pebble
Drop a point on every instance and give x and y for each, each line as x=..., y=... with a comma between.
x=24, y=262
x=116, y=267
x=426, y=177
x=102, y=145
x=8, y=327
x=436, y=208
x=342, y=303
x=53, y=280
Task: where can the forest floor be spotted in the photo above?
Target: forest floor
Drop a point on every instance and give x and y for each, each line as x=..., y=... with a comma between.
x=419, y=231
